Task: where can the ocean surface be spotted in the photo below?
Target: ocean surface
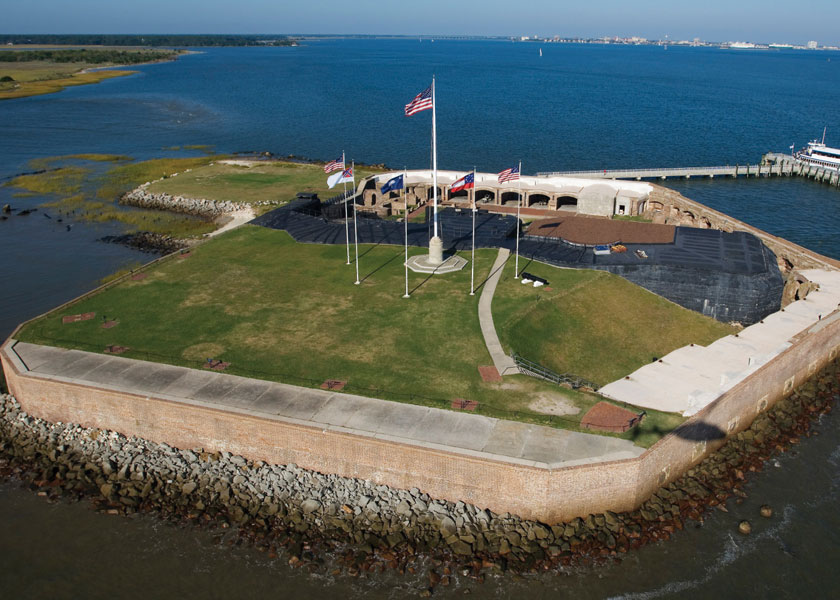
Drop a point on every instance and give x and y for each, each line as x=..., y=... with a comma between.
x=577, y=107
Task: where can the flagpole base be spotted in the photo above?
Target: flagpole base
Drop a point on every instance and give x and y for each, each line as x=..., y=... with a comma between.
x=435, y=251
x=419, y=263
x=406, y=296
x=358, y=282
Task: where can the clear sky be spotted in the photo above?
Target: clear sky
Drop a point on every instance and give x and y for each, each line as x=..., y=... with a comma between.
x=793, y=21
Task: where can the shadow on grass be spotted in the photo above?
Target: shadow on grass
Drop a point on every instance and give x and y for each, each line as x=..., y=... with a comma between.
x=371, y=247
x=380, y=267
x=525, y=266
x=419, y=285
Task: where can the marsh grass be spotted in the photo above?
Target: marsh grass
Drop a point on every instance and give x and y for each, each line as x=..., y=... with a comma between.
x=81, y=208
x=64, y=181
x=82, y=194
x=50, y=81
x=122, y=178
x=45, y=163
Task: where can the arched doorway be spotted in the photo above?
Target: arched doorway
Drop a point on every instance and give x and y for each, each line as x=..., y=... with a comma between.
x=538, y=200
x=567, y=203
x=510, y=198
x=485, y=197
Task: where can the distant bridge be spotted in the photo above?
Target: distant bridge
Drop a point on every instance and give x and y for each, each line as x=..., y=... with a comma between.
x=776, y=165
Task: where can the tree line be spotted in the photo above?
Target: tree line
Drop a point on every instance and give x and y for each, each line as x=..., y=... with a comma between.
x=148, y=40
x=120, y=57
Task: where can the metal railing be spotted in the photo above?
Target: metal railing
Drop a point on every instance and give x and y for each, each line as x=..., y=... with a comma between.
x=534, y=369
x=665, y=172
x=339, y=198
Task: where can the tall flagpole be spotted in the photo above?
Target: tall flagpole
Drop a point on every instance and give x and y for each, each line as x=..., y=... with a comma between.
x=346, y=218
x=518, y=206
x=472, y=272
x=355, y=223
x=434, y=157
x=405, y=220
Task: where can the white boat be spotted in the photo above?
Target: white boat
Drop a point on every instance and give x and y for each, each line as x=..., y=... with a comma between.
x=818, y=154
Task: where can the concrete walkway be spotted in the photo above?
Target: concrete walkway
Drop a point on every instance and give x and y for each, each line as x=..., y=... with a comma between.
x=237, y=218
x=456, y=432
x=504, y=363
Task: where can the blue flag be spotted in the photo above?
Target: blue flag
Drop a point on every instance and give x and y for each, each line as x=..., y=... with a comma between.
x=393, y=184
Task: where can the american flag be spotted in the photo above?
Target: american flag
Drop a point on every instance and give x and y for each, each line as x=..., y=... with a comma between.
x=511, y=174
x=334, y=165
x=422, y=101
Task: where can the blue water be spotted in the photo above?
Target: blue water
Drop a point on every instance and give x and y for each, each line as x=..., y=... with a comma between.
x=577, y=107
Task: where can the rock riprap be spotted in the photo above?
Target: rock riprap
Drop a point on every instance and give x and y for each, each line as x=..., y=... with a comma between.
x=288, y=506
x=194, y=206
x=142, y=197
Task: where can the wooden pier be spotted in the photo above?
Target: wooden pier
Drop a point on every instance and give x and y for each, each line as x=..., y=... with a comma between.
x=772, y=165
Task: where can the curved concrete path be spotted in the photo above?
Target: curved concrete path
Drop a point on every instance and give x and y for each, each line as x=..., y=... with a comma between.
x=504, y=363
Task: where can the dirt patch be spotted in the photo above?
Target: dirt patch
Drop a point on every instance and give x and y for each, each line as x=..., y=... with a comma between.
x=552, y=403
x=588, y=230
x=335, y=385
x=608, y=417
x=76, y=318
x=203, y=351
x=462, y=404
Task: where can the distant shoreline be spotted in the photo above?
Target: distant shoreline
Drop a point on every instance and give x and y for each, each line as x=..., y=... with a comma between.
x=84, y=76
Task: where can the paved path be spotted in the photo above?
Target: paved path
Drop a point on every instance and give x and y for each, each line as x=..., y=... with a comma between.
x=457, y=432
x=237, y=218
x=504, y=363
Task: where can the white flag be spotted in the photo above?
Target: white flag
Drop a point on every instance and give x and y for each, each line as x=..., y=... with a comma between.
x=340, y=177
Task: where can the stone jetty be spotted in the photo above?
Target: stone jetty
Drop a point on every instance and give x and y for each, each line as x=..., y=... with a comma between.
x=143, y=198
x=202, y=207
x=287, y=509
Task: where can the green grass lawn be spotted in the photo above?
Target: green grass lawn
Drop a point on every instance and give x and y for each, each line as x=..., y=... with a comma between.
x=290, y=312
x=276, y=181
x=593, y=324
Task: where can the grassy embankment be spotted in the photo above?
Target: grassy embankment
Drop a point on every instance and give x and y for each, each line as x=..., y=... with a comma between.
x=35, y=72
x=592, y=323
x=289, y=312
x=264, y=181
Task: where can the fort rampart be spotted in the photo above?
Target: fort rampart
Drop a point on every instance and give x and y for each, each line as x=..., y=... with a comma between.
x=531, y=490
